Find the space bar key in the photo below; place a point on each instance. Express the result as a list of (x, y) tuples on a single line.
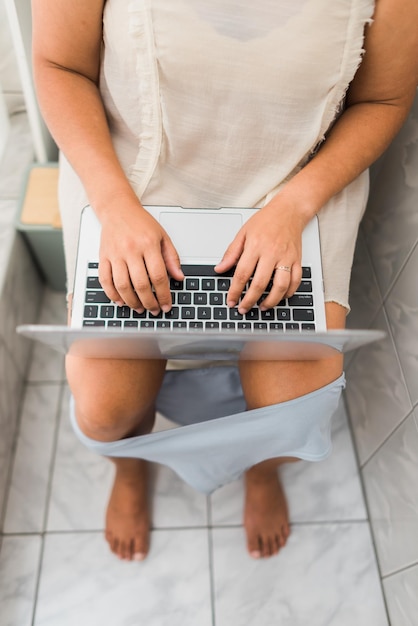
[(204, 270)]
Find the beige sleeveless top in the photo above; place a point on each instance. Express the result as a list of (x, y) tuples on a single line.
[(220, 102)]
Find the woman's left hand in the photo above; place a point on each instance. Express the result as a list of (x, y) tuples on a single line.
[(267, 247)]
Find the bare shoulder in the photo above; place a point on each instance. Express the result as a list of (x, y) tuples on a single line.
[(68, 34), (389, 70)]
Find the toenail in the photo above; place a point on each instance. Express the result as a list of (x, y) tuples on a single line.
[(138, 556), (255, 554)]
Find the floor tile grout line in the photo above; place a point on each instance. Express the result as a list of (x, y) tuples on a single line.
[(396, 350), (399, 571), (356, 455), (34, 533), (211, 576), (209, 511), (397, 427), (387, 293), (384, 298), (38, 383), (210, 558), (380, 302), (12, 460), (340, 522), (51, 470), (366, 505), (38, 579), (335, 522), (395, 279), (92, 531)]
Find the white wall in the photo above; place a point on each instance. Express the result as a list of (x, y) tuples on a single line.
[(4, 123), (19, 18), (382, 390), (9, 73)]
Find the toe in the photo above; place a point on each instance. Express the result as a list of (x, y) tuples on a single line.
[(267, 546), (276, 544), (285, 534), (129, 550), (114, 546), (140, 548), (123, 550), (254, 545), (264, 547)]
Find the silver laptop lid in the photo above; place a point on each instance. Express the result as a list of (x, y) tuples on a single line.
[(128, 344)]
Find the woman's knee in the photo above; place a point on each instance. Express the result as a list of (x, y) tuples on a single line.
[(112, 420), (112, 401)]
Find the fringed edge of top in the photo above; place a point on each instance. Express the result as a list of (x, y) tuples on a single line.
[(149, 144), (360, 17)]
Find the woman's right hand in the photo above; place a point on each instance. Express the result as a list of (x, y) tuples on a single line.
[(136, 256)]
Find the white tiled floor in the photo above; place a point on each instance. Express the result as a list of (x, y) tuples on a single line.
[(55, 567)]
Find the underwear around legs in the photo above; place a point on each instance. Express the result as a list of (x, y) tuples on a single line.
[(219, 439)]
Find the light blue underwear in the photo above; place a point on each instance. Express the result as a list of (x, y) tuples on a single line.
[(220, 440)]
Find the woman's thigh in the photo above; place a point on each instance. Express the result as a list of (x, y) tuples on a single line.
[(270, 382)]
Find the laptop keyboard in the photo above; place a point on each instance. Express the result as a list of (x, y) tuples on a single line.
[(199, 304)]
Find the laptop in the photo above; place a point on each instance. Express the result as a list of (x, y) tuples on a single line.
[(199, 325)]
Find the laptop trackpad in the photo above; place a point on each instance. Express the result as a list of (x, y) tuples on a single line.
[(200, 234)]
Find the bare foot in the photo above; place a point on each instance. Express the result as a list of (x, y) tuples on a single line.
[(127, 516), (266, 519)]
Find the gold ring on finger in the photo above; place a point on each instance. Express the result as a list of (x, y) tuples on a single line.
[(285, 268)]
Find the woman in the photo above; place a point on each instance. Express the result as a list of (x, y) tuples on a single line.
[(280, 106)]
